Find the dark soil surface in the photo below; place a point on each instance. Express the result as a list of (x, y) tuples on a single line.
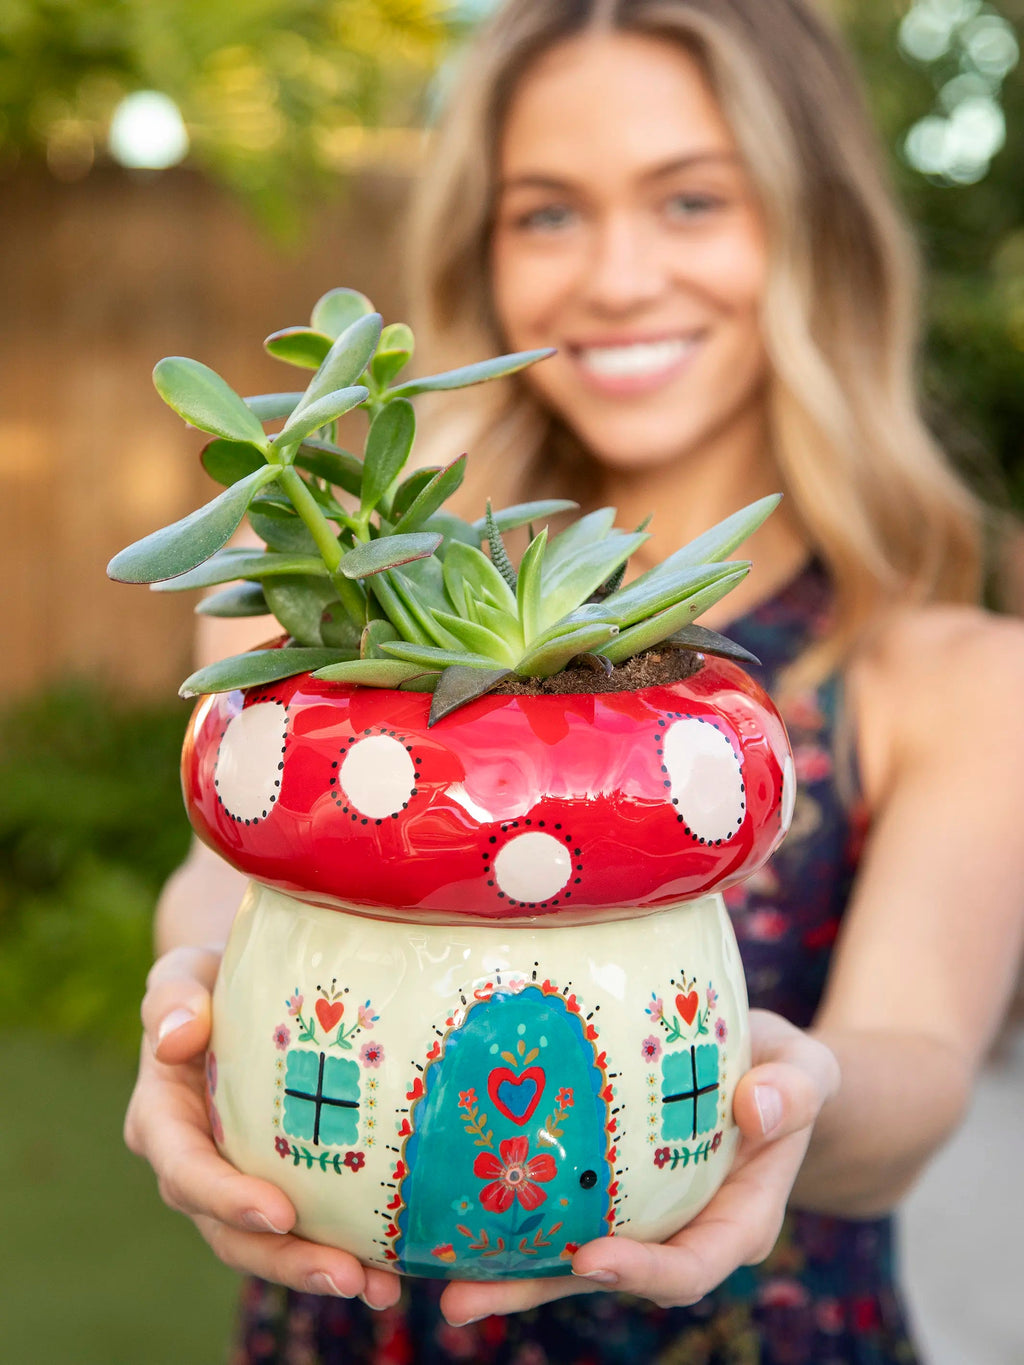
[(653, 669)]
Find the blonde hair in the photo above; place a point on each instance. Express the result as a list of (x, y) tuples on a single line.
[(875, 494)]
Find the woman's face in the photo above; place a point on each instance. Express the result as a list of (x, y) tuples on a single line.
[(628, 235)]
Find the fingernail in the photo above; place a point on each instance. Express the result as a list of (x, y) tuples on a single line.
[(370, 1305), (769, 1107), (175, 1020), (259, 1222), (468, 1322), (321, 1283), (599, 1276)]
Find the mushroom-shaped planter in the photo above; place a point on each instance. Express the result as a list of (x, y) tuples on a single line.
[(482, 1002)]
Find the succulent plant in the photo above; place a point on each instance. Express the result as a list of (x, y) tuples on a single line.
[(372, 579)]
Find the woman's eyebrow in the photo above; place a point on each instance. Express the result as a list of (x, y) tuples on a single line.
[(544, 181)]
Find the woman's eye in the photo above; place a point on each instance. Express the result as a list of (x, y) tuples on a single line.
[(547, 218), (689, 206)]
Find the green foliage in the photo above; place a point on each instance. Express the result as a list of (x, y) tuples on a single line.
[(91, 825), (391, 590)]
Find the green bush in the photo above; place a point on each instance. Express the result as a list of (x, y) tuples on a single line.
[(91, 823)]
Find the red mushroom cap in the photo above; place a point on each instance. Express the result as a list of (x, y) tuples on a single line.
[(580, 807)]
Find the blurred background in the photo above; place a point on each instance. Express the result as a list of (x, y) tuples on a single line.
[(186, 176)]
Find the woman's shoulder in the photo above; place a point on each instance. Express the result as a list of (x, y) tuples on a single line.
[(932, 681)]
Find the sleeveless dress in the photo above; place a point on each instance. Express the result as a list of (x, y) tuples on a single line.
[(826, 1294)]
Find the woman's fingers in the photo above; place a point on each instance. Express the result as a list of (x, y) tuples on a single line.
[(466, 1301), (176, 1006), (287, 1260)]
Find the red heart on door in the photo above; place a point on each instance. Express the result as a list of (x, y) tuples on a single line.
[(329, 1014), (687, 1005), (516, 1096)]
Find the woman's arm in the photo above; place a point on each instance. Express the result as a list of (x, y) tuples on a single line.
[(927, 958)]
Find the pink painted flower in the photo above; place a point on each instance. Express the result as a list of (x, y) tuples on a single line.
[(294, 1004), (282, 1037), (564, 1099), (366, 1017), (662, 1156), (355, 1161), (282, 1147), (512, 1176), (650, 1049), (721, 1032), (656, 1008), (371, 1054), (712, 996)]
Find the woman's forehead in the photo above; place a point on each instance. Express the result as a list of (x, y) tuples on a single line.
[(612, 100)]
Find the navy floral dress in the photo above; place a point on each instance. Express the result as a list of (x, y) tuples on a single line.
[(826, 1294)]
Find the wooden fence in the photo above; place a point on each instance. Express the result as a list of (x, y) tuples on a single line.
[(98, 280)]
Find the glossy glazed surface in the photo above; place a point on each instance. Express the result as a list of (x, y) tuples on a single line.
[(578, 807), (476, 1101)]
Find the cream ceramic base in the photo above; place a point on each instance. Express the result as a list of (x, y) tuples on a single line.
[(475, 1102)]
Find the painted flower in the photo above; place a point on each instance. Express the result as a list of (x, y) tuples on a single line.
[(721, 1032), (366, 1016), (355, 1161), (294, 1004), (463, 1204), (650, 1049), (662, 1156), (211, 1073), (712, 996), (371, 1054), (445, 1252), (467, 1098), (282, 1037), (656, 1009), (569, 1251), (564, 1099), (512, 1176), (282, 1147), (515, 984)]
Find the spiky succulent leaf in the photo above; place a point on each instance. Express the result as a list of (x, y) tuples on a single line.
[(719, 541), (412, 601), (499, 555), (259, 666), (429, 498), (431, 656), (582, 573), (477, 639), (521, 514), (710, 642), (528, 587), (469, 571), (371, 672), (178, 548), (373, 636), (551, 656), (652, 630), (584, 531), (390, 601), (458, 686)]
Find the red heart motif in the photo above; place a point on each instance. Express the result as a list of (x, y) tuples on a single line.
[(687, 1005), (329, 1014), (523, 1103), (395, 1203), (435, 1051), (406, 1129), (416, 1091)]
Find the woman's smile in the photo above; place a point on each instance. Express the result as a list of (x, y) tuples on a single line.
[(623, 367)]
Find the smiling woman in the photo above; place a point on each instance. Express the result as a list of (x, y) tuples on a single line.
[(683, 197)]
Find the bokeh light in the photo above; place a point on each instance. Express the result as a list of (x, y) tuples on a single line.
[(147, 132)]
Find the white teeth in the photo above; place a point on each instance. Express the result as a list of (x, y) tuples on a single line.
[(641, 358)]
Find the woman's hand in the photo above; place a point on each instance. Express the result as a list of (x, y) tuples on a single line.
[(775, 1106), (246, 1221)]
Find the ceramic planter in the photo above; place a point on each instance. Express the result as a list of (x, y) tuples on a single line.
[(482, 1002)]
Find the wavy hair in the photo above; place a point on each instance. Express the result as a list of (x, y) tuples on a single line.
[(877, 497)]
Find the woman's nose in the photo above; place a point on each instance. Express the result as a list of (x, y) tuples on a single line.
[(625, 271)]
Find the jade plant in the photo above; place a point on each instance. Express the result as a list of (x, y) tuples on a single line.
[(372, 579)]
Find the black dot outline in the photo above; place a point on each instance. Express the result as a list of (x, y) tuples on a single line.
[(659, 750), (255, 820), (338, 796), (532, 905)]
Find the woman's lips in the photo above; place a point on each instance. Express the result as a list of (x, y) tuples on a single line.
[(634, 367)]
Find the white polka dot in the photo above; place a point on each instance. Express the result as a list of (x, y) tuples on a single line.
[(706, 779), (533, 867), (248, 772), (378, 776), (788, 793)]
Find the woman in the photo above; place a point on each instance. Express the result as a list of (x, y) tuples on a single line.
[(681, 195)]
